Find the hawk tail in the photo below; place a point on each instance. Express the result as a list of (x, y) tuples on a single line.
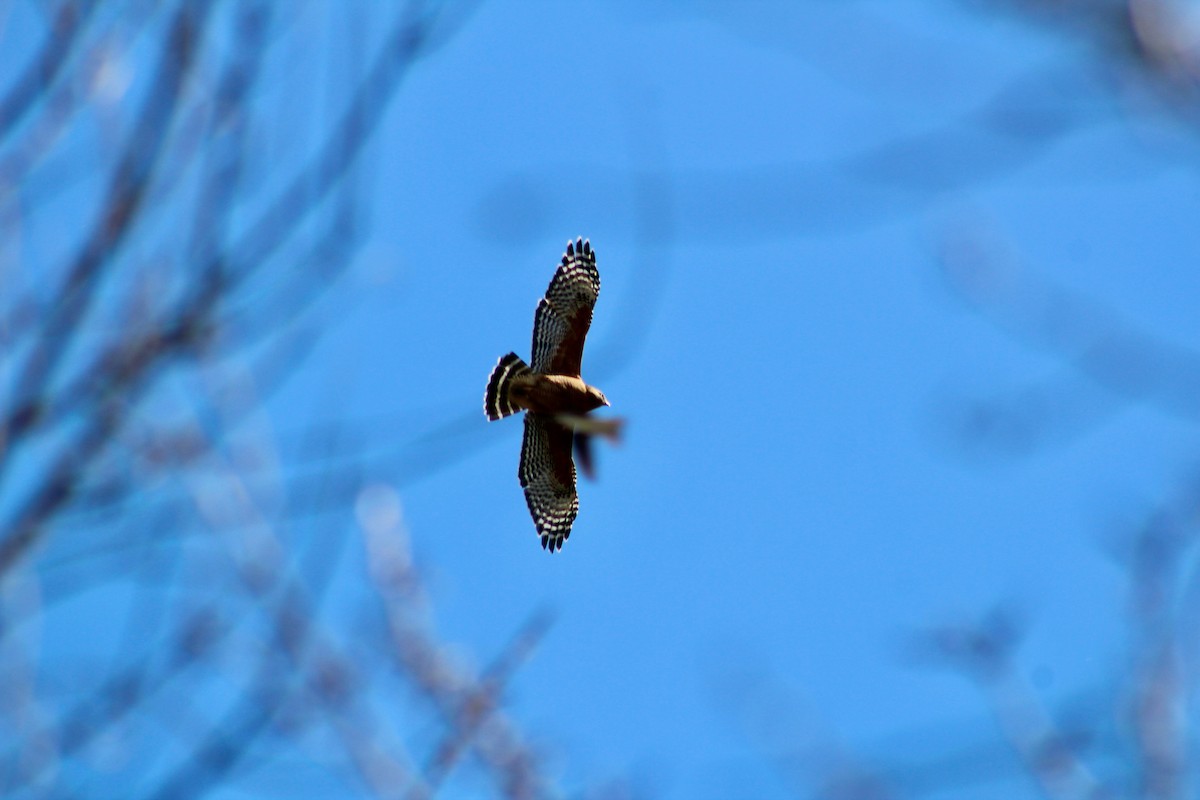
[(496, 402)]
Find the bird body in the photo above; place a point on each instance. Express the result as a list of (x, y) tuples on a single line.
[(549, 394), (554, 395)]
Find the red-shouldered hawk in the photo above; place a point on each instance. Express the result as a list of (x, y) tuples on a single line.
[(554, 395)]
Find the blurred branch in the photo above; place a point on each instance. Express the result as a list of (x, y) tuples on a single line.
[(1092, 340), (468, 706), (43, 71), (135, 430), (127, 188), (984, 652)]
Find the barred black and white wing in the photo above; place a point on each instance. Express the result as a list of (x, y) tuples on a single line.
[(547, 475), (563, 316)]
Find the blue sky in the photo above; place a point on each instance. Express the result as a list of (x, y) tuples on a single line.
[(791, 502), (771, 191)]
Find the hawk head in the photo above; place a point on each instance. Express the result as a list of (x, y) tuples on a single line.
[(597, 397)]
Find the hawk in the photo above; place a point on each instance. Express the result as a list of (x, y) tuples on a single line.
[(554, 396)]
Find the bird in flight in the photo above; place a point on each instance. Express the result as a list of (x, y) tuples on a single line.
[(554, 396)]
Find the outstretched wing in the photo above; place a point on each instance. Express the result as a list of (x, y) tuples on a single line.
[(547, 475), (563, 316)]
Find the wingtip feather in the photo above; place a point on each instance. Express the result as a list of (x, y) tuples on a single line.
[(579, 248)]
